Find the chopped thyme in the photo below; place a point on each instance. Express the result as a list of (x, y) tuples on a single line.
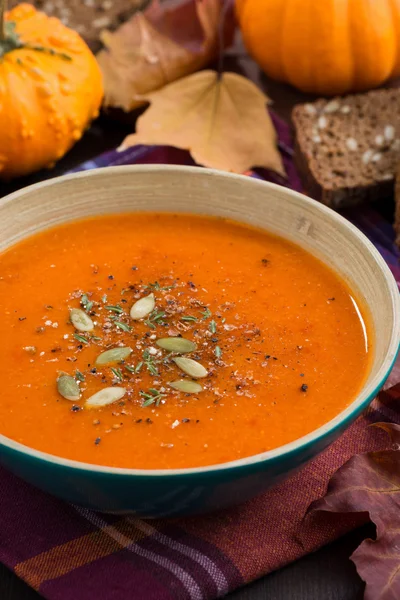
[(81, 338), (118, 373), (130, 368), (117, 309), (153, 396), (157, 287), (155, 317), (79, 376), (212, 326), (122, 326), (188, 318), (104, 298), (86, 303), (218, 352), (150, 363), (206, 313), (138, 366)]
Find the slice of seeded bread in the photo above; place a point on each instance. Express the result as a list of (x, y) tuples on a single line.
[(348, 149), (88, 17)]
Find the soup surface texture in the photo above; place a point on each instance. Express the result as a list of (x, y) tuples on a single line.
[(278, 342)]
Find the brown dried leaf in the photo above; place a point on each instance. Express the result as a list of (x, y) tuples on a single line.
[(159, 46), (222, 121), (371, 483)]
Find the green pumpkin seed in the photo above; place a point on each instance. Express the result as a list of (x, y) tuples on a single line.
[(105, 397), (80, 320), (115, 355), (176, 344), (187, 386), (143, 307), (68, 388), (190, 367)]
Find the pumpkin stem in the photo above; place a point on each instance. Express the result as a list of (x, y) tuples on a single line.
[(3, 10)]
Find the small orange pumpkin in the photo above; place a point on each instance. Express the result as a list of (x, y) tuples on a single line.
[(324, 46), (50, 90)]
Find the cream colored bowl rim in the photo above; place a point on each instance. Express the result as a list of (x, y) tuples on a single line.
[(361, 401)]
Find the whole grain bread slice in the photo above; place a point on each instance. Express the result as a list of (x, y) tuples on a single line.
[(348, 148)]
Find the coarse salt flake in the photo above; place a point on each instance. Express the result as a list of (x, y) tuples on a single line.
[(175, 424)]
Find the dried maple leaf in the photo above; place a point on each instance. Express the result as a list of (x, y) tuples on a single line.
[(159, 46), (371, 483), (221, 120)]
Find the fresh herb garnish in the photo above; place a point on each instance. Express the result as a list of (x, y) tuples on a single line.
[(95, 338), (218, 352), (104, 298), (155, 317), (122, 326), (157, 287), (117, 309), (212, 326), (81, 338), (206, 314), (188, 318), (117, 373), (86, 303), (153, 396), (138, 366), (150, 363), (79, 376), (130, 368)]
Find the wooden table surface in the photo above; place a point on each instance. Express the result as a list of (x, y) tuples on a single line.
[(325, 575)]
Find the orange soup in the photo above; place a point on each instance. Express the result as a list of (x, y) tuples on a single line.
[(167, 341)]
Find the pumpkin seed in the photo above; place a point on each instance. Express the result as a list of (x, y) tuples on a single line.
[(105, 397), (190, 367), (80, 320), (68, 388), (143, 307), (187, 386), (115, 355), (176, 344)]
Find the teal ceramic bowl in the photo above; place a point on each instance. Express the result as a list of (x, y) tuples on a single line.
[(170, 493)]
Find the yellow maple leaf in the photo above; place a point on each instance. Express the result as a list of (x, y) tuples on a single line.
[(222, 120)]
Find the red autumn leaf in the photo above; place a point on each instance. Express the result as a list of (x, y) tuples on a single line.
[(371, 483), (155, 47)]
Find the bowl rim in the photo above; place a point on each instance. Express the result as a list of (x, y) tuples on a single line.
[(362, 400)]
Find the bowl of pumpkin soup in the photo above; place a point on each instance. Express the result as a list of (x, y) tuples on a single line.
[(176, 340)]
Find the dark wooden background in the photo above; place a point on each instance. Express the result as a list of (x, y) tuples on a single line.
[(325, 575)]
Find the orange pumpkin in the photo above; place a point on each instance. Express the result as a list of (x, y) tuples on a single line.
[(50, 90), (324, 46)]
